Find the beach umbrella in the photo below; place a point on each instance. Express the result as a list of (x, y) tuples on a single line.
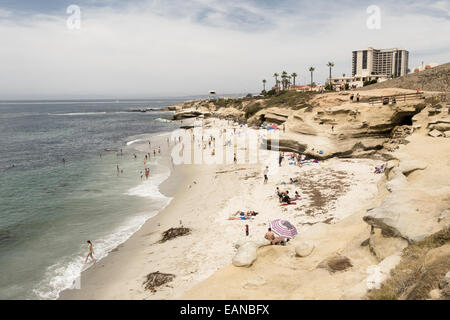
[(283, 228)]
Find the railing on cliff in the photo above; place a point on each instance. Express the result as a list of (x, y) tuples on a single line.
[(393, 99)]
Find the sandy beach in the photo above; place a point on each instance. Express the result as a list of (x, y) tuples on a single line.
[(204, 196)]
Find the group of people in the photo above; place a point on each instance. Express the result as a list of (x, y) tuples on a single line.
[(274, 239), (284, 196), (352, 96)]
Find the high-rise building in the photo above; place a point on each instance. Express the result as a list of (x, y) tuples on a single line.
[(381, 62)]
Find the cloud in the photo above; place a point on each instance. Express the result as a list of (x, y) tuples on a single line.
[(5, 13), (157, 48)]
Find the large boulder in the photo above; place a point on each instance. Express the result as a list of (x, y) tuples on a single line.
[(304, 248), (410, 214), (246, 253)]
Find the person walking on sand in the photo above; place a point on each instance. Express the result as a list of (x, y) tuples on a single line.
[(235, 159), (266, 172), (118, 170), (280, 159), (351, 97), (357, 97), (91, 252), (246, 230)]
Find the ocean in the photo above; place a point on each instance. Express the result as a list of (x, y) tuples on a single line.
[(49, 209)]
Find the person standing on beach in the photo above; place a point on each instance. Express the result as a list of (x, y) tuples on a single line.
[(351, 97), (118, 170), (280, 159), (357, 97), (91, 252), (246, 230), (235, 159), (266, 172)]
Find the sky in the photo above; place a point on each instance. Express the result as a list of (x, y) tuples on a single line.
[(145, 49)]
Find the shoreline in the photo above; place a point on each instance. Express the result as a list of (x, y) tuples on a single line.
[(204, 206)]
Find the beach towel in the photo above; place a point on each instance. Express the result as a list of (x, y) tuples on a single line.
[(287, 204)]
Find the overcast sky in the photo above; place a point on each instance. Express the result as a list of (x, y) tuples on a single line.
[(138, 48)]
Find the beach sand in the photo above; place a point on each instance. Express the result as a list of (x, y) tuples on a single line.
[(335, 194)]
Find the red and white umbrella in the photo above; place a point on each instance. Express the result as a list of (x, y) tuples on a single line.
[(283, 228)]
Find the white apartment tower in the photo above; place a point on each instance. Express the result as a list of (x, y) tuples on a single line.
[(382, 62)]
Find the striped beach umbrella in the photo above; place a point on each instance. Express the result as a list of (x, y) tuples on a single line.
[(283, 228)]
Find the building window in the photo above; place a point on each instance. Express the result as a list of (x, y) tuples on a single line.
[(364, 59), (354, 62)]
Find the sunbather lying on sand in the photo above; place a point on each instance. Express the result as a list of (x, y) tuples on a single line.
[(291, 181), (241, 215), (380, 169)]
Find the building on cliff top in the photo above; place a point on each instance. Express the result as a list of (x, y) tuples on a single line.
[(374, 64)]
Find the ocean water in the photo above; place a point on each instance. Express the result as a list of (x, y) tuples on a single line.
[(48, 209)]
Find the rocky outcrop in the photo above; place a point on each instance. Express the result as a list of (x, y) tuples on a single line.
[(408, 211), (382, 246), (342, 131), (190, 113)]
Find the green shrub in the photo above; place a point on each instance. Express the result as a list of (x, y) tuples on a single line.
[(251, 109)]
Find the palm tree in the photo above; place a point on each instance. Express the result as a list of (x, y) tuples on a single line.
[(275, 75), (264, 85), (330, 65), (294, 75), (311, 69), (283, 81)]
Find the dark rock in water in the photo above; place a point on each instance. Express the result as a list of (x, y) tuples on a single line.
[(144, 110), (173, 233), (5, 235), (157, 279)]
